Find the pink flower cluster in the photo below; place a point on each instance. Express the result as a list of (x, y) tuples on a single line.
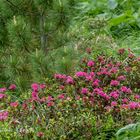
[(81, 74), (63, 77), (60, 76), (2, 95), (102, 79), (90, 63), (134, 105), (125, 89), (12, 87), (114, 83), (102, 84), (35, 91), (100, 92), (36, 87), (14, 104), (131, 105), (115, 94), (121, 78), (3, 115), (84, 90), (96, 83), (69, 80), (2, 90)]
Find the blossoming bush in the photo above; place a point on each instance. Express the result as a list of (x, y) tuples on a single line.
[(91, 104)]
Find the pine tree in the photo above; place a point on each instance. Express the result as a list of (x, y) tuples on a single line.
[(32, 32)]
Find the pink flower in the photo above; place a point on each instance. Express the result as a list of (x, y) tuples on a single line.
[(63, 76), (104, 95), (3, 115), (96, 83), (107, 97), (91, 99), (137, 96), (101, 59), (114, 83), (90, 63), (121, 78), (14, 104), (128, 69), (125, 100), (81, 74), (24, 105), (113, 103), (77, 97), (57, 76), (99, 73), (51, 103), (133, 105), (69, 80), (92, 74), (129, 90), (42, 86), (60, 76), (121, 51), (43, 99), (12, 87), (40, 134), (61, 96), (97, 90), (109, 65), (35, 95), (35, 87), (124, 106), (114, 94), (61, 87), (88, 50), (114, 70), (131, 55), (68, 98), (2, 89), (104, 71), (125, 89), (84, 99), (50, 98), (108, 108), (118, 64), (89, 78), (2, 95), (84, 91)]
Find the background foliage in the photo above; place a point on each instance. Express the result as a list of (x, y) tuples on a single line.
[(39, 38)]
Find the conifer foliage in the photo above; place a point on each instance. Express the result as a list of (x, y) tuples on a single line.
[(32, 31)]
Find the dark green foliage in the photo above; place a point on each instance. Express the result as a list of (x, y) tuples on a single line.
[(30, 37)]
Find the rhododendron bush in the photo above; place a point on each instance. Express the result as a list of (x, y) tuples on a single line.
[(93, 103)]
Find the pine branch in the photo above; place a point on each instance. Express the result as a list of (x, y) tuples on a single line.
[(19, 9), (12, 4), (25, 47)]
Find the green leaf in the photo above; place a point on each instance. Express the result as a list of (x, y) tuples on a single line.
[(126, 17), (131, 131)]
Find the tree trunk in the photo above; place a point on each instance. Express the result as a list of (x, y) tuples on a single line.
[(43, 37)]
